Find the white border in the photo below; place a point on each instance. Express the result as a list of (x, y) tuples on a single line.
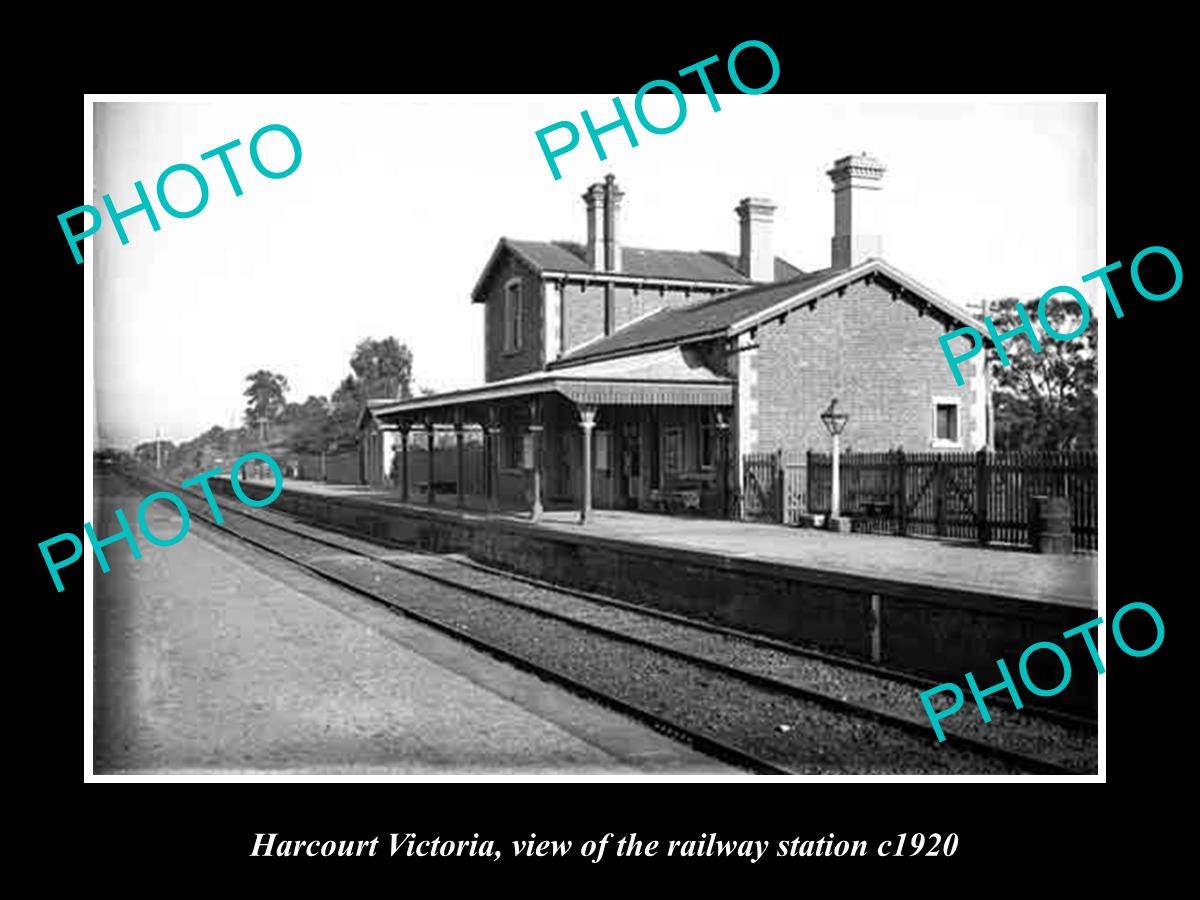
[(89, 395)]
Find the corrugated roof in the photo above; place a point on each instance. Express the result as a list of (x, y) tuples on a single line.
[(666, 370)]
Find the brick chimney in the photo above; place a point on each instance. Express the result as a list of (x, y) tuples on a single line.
[(593, 199), (757, 261), (857, 181), (603, 202)]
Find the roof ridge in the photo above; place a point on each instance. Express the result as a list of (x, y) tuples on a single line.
[(739, 294), (749, 306), (712, 267)]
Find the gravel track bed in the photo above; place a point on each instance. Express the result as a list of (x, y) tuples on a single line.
[(1009, 730), (816, 740), (1022, 732)]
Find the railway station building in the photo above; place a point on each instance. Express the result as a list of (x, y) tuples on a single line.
[(627, 378)]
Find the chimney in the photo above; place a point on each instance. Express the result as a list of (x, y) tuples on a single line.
[(593, 198), (856, 185), (603, 202), (757, 261), (612, 206)]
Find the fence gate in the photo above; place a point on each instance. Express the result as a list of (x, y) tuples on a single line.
[(983, 497), (773, 487), (762, 483)]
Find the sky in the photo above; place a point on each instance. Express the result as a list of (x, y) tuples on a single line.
[(398, 202)]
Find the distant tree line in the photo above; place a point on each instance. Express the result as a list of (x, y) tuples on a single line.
[(379, 369)]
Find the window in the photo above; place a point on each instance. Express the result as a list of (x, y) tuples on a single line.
[(512, 316), (945, 423)]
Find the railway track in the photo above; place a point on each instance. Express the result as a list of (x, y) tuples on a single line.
[(750, 701)]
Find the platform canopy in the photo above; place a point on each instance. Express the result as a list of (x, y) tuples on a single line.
[(669, 377)]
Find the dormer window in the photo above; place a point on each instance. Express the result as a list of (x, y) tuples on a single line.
[(512, 316)]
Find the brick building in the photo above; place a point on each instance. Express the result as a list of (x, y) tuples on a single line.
[(659, 371)]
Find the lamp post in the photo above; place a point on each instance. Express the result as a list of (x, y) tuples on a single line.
[(835, 424)]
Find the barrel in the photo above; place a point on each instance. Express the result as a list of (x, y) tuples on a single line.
[(1050, 525)]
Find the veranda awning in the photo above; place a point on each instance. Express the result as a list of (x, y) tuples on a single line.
[(670, 377)]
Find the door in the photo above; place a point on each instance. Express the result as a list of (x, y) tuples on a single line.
[(564, 482), (631, 464), (654, 444)]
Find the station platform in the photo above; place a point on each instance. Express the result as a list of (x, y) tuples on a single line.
[(211, 656), (1068, 580), (922, 606)]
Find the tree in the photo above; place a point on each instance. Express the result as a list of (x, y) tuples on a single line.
[(204, 451), (150, 452), (265, 393), (314, 409), (382, 369), (1046, 400), (347, 402), (309, 425)]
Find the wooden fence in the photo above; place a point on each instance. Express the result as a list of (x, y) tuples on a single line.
[(343, 466), (983, 497), (445, 470)]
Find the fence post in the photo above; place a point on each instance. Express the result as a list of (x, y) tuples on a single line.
[(901, 495), (403, 462), (809, 502), (939, 496), (778, 485), (723, 467), (983, 484)]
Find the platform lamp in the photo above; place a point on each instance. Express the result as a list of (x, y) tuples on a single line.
[(835, 424)]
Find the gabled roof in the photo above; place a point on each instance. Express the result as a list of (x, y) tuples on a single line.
[(731, 314), (367, 414), (675, 265)]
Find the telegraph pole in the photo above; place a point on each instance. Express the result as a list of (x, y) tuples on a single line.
[(158, 449)]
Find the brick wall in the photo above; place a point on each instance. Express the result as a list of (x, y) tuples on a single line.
[(497, 363), (582, 315), (583, 310), (877, 356)]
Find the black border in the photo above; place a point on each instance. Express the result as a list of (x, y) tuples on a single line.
[(1148, 431)]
